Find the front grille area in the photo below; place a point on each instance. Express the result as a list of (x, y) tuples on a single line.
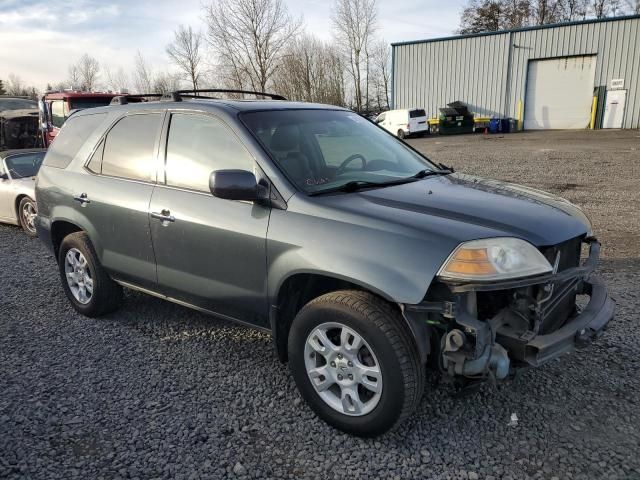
[(569, 253), (569, 258)]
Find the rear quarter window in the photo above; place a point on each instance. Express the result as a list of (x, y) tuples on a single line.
[(70, 139)]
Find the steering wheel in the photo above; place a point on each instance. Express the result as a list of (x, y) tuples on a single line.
[(343, 166)]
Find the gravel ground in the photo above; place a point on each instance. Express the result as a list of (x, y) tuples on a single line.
[(158, 391)]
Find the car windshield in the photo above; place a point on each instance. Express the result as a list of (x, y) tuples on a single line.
[(16, 104), (94, 102), (322, 150), (24, 165)]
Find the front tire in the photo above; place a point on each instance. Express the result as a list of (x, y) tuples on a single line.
[(355, 362), (27, 210), (86, 283)]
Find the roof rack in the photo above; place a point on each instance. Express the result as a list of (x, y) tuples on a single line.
[(194, 93), (125, 98)]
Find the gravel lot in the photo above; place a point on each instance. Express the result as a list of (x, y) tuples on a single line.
[(158, 391)]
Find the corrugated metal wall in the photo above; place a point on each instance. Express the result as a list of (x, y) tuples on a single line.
[(489, 72)]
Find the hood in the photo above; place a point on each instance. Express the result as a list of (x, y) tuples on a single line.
[(464, 207)]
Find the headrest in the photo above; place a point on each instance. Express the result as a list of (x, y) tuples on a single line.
[(286, 138)]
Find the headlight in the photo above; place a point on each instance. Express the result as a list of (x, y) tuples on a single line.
[(494, 259)]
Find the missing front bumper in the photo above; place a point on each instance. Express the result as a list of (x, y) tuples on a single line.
[(514, 337)]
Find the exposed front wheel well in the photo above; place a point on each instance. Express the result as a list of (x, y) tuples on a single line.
[(59, 230), (295, 293), (16, 206)]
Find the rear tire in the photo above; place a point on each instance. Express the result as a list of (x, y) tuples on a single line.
[(386, 377), (84, 280), (401, 134), (27, 210)]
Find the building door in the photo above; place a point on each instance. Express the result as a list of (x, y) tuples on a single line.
[(614, 109), (559, 93)]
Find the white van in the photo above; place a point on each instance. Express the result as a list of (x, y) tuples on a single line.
[(405, 122)]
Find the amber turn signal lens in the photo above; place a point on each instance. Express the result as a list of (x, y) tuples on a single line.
[(470, 262)]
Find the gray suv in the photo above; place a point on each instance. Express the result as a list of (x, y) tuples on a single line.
[(366, 261)]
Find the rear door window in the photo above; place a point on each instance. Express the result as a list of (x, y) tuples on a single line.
[(71, 138), (196, 146), (130, 146), (417, 113)]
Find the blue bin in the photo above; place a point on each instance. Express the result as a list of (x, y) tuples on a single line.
[(494, 125)]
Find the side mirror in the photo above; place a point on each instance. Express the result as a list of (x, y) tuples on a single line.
[(236, 185)]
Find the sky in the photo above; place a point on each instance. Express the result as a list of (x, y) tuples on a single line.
[(39, 39)]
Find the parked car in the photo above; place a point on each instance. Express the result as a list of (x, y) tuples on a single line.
[(18, 169), (405, 122), (363, 258), (55, 108), (18, 123)]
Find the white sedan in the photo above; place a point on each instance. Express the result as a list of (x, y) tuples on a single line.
[(18, 170)]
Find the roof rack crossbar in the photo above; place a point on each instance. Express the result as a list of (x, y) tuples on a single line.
[(273, 96)]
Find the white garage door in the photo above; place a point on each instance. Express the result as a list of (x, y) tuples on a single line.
[(559, 93)]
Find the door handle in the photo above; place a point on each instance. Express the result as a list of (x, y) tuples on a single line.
[(163, 216), (82, 198)]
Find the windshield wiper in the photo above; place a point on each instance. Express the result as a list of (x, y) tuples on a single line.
[(427, 172), (354, 185)]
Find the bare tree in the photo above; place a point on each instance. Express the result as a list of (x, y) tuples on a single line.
[(186, 54), (600, 8), (482, 16), (142, 74), (164, 82), (117, 81), (382, 73), (249, 37), (15, 85), (73, 76), (633, 6), (355, 24), (312, 71), (545, 11), (86, 71), (574, 10)]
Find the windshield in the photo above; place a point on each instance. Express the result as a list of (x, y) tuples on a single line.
[(89, 102), (324, 149), (16, 104), (24, 165)]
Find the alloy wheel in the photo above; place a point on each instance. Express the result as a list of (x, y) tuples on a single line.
[(343, 369), (29, 216), (78, 276)]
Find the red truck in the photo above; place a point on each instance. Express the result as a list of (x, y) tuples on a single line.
[(55, 107)]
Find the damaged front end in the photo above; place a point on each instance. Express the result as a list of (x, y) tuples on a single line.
[(490, 329)]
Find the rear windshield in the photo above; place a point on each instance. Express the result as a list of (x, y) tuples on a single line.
[(16, 104), (71, 137), (417, 113)]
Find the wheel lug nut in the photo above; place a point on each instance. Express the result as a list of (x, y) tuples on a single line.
[(350, 364), (333, 364), (350, 377), (340, 377)]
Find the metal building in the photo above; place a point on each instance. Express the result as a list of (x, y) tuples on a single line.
[(572, 75)]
